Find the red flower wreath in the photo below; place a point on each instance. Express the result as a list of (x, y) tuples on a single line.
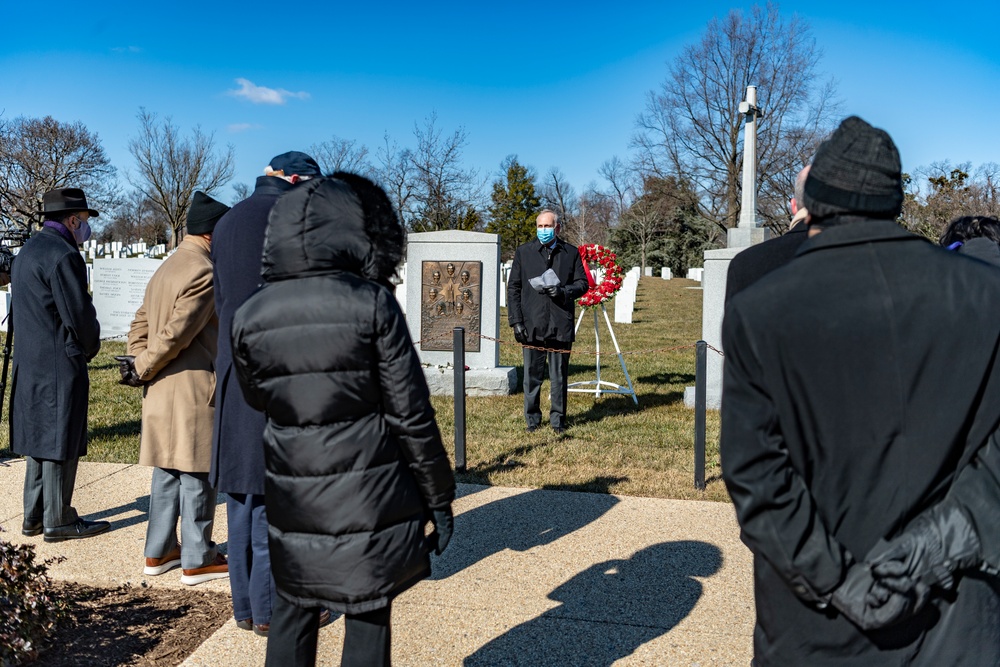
[(598, 293)]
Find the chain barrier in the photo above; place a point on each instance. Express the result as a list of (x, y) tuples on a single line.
[(577, 351)]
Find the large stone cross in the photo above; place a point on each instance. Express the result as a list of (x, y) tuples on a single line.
[(748, 232)]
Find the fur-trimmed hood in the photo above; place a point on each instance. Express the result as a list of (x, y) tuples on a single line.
[(332, 224)]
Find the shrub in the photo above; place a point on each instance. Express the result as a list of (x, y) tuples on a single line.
[(28, 608)]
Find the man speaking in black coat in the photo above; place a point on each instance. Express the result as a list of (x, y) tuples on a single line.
[(543, 316), (861, 380)]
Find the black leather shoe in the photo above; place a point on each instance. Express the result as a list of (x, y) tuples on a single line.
[(531, 428), (559, 430), (31, 528), (74, 531)]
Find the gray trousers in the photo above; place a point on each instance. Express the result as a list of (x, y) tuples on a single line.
[(48, 491), (188, 496), (534, 372)]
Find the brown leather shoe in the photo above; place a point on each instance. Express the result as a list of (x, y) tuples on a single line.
[(217, 569), (157, 566)]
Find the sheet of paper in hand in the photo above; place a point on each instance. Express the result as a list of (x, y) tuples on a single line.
[(547, 279)]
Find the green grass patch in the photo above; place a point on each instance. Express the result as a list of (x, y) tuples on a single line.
[(612, 446)]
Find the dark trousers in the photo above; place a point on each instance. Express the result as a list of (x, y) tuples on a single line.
[(292, 639), (250, 577), (534, 372), (48, 491)]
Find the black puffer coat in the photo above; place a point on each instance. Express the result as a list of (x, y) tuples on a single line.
[(353, 453)]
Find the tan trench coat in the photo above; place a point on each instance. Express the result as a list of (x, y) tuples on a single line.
[(174, 339)]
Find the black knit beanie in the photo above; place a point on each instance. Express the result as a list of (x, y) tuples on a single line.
[(204, 213), (856, 171)]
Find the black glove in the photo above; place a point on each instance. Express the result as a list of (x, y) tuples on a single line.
[(556, 292), (940, 541), (520, 334), (444, 526), (868, 604), (126, 366)]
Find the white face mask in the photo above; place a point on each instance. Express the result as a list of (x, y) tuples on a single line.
[(82, 233)]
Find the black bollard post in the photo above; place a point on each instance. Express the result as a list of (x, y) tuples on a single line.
[(459, 347), (700, 372)]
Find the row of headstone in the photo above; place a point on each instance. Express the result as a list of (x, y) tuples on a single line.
[(695, 274), (117, 250), (625, 299)]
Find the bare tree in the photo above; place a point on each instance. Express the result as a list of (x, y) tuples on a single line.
[(136, 218), (240, 192), (559, 195), (394, 170), (643, 224), (936, 195), (594, 217), (41, 154), (171, 167), (444, 191), (623, 183), (691, 125), (336, 154)]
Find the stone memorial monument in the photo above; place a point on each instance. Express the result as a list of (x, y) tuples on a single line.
[(716, 267), (453, 279), (119, 286)]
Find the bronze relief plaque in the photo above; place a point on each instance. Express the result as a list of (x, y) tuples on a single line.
[(450, 296)]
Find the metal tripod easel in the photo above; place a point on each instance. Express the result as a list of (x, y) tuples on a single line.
[(598, 384)]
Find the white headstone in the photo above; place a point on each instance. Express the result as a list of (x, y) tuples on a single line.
[(401, 296), (4, 309), (623, 308), (665, 273), (648, 272)]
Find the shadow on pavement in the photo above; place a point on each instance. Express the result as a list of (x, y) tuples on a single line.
[(521, 522), (609, 610)]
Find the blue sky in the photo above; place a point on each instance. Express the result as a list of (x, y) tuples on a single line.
[(559, 83)]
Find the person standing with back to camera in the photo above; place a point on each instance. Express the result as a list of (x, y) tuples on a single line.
[(237, 468), (355, 464)]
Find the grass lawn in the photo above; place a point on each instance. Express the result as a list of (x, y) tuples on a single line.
[(612, 446)]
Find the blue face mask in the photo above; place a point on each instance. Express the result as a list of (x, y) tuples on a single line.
[(545, 234), (82, 233)]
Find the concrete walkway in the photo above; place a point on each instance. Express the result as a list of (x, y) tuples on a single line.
[(532, 577)]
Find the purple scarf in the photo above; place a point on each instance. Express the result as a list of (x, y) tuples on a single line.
[(61, 228)]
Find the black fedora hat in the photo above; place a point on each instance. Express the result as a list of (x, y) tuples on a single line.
[(62, 200)]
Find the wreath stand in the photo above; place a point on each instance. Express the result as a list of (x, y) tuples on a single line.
[(598, 384)]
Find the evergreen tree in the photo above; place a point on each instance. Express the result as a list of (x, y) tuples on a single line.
[(514, 206)]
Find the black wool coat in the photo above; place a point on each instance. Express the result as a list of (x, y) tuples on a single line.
[(354, 456), (237, 241), (545, 318), (859, 379), (55, 334), (759, 260)]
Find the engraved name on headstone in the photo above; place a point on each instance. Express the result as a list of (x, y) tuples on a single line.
[(119, 286)]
